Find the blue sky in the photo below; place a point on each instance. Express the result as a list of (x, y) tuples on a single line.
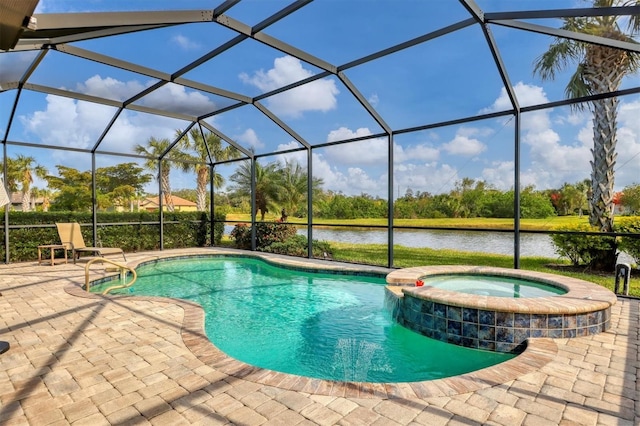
[(444, 79)]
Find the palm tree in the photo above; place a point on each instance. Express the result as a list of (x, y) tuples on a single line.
[(20, 172), (45, 194), (583, 186), (266, 189), (195, 143), (600, 69), (293, 186), (154, 149)]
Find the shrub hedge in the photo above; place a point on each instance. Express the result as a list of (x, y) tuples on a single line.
[(595, 251), (139, 231), (278, 238), (629, 244)]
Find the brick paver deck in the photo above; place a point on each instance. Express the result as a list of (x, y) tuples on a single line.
[(90, 360)]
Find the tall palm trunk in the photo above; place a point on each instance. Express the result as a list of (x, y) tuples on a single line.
[(604, 69), (26, 200), (166, 190), (201, 188), (602, 165)]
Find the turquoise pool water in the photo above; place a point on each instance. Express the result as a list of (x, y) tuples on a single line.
[(495, 286), (319, 325)]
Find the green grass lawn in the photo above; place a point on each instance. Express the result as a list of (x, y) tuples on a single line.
[(472, 223)]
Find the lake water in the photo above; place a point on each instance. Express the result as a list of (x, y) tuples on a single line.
[(485, 242)]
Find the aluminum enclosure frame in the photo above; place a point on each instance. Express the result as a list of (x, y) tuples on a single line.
[(55, 32)]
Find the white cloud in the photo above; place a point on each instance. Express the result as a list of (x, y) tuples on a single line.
[(360, 182), (552, 162), (432, 177), (319, 95), (575, 118), (463, 145), (173, 97), (373, 100), (290, 145), (500, 175), (169, 97), (361, 167), (344, 133), (66, 122), (475, 131), (13, 65), (553, 153), (628, 147), (420, 152), (299, 157), (526, 95), (285, 70), (350, 180), (549, 160), (333, 179), (370, 151), (375, 151), (184, 42), (249, 137), (110, 88)]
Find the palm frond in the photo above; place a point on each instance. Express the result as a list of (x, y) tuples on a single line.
[(577, 87), (634, 20), (560, 55)]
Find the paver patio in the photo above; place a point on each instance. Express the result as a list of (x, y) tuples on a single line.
[(79, 359)]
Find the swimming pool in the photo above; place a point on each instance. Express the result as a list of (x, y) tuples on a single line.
[(320, 325)]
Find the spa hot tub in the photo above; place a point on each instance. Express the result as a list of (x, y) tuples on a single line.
[(490, 318)]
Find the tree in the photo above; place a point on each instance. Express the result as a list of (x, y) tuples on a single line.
[(600, 69), (115, 186), (20, 172), (122, 183), (197, 150), (470, 195), (266, 185), (293, 186), (571, 199), (154, 149), (73, 189), (44, 194), (584, 188), (631, 198)]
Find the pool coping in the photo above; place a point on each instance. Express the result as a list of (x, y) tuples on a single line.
[(537, 353)]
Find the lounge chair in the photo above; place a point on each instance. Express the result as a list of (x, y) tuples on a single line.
[(71, 238)]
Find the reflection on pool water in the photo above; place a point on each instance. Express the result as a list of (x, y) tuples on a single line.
[(489, 285), (327, 326)]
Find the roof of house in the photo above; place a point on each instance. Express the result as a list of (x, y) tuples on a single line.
[(177, 201), (16, 198)]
